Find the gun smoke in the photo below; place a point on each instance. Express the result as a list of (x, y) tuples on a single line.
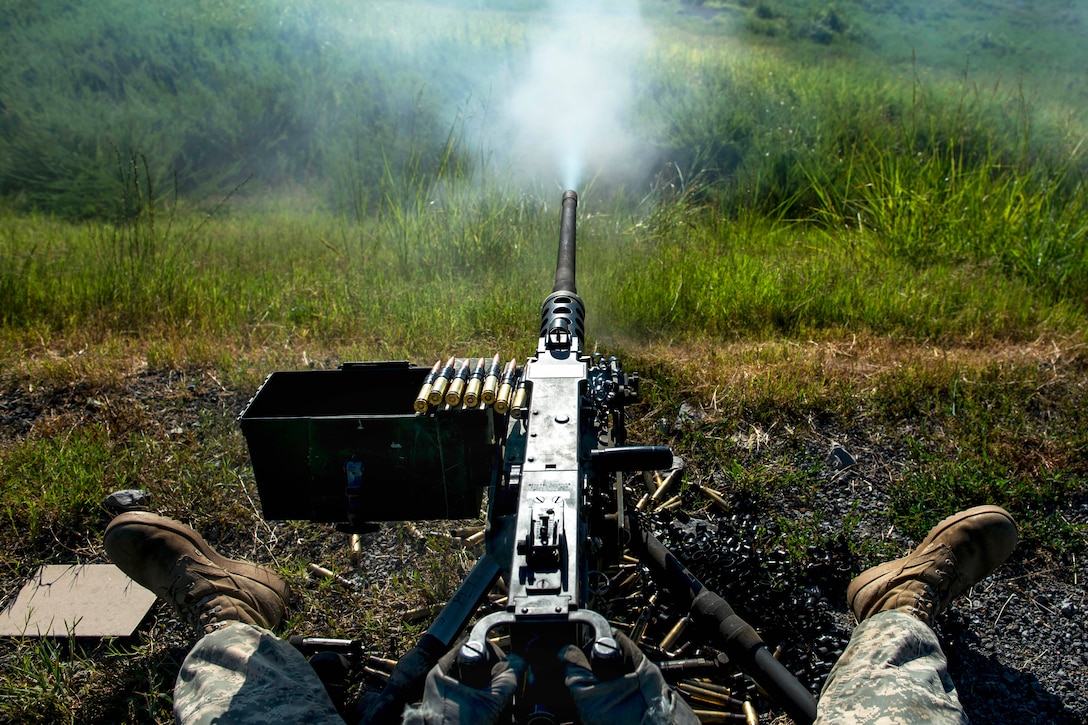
[(567, 115), (555, 105)]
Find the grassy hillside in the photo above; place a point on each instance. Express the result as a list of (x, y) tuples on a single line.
[(790, 183), (344, 100)]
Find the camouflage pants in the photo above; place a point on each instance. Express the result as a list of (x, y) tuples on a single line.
[(893, 672), (245, 674)]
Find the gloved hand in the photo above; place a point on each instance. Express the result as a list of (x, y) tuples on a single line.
[(449, 701), (638, 695)]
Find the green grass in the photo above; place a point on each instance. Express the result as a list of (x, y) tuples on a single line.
[(56, 484), (992, 434)]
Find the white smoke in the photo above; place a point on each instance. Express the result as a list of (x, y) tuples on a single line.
[(568, 114)]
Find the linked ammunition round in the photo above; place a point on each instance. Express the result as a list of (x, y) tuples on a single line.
[(491, 382), (506, 389), (519, 408), (457, 386), (441, 383), (472, 394), (475, 383), (453, 393), (422, 403)]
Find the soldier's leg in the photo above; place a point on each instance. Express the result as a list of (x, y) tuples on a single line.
[(238, 671), (242, 673), (893, 671)]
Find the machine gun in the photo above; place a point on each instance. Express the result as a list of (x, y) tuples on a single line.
[(547, 440)]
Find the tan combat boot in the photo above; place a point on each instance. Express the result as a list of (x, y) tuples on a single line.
[(208, 590), (960, 551)]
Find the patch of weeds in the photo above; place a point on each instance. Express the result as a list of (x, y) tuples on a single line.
[(138, 681), (940, 487), (915, 391), (445, 568), (57, 483), (40, 683), (747, 483), (45, 680), (802, 537), (866, 549)]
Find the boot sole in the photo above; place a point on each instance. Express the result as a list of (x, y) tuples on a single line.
[(253, 572), (869, 576)]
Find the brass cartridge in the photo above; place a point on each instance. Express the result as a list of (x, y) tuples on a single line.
[(696, 691), (506, 388), (673, 503), (715, 497), (669, 640), (714, 717), (643, 620), (457, 386), (519, 408), (672, 478), (491, 382), (472, 390), (421, 400), (441, 383)]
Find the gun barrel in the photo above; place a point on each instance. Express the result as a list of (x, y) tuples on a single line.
[(562, 316), (564, 264)]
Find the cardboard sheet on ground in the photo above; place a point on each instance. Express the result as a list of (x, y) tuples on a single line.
[(87, 600)]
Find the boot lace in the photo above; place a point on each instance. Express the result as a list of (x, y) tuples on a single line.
[(937, 592)]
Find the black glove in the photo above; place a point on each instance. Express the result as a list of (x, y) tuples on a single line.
[(449, 701), (638, 695)]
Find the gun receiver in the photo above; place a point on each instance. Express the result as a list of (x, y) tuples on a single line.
[(555, 498)]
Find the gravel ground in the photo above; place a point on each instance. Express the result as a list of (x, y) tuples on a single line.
[(1016, 642)]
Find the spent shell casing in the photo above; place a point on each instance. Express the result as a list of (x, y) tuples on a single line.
[(643, 621), (425, 390), (714, 717), (472, 390), (356, 548), (519, 407), (506, 388), (675, 502), (441, 383), (706, 695), (672, 478), (669, 640), (457, 386), (715, 497), (491, 381)]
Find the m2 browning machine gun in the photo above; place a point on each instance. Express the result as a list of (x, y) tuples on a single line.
[(547, 440)]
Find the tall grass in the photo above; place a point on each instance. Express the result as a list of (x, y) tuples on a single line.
[(792, 198), (444, 268), (212, 95), (333, 96)]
